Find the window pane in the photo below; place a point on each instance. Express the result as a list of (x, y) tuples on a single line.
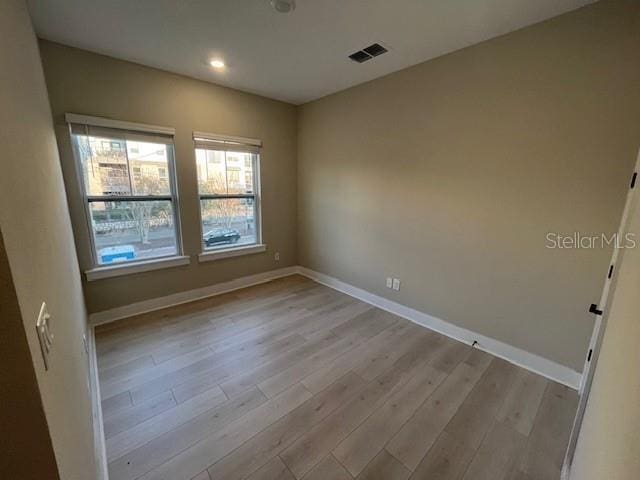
[(127, 231), (104, 165), (149, 166), (239, 172), (211, 171), (228, 221), (221, 172), (106, 162)]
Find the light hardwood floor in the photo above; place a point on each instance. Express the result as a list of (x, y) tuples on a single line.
[(293, 380)]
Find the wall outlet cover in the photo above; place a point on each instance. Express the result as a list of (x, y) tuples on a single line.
[(396, 284), (389, 282)]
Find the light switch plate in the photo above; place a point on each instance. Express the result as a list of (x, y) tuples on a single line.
[(45, 337)]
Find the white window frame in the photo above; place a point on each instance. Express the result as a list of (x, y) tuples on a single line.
[(98, 270), (217, 142)]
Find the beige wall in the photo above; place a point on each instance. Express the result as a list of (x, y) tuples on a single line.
[(22, 419), (86, 83), (448, 175), (609, 442), (39, 245)]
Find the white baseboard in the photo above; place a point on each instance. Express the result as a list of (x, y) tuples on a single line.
[(522, 358), (145, 306), (100, 446), (535, 363)]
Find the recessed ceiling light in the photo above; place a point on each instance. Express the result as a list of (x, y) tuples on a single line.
[(283, 6), (217, 63)]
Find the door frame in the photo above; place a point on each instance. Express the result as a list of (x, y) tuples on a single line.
[(600, 323)]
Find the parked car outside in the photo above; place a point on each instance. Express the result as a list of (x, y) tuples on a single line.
[(221, 236)]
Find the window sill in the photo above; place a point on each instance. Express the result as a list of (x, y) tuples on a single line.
[(137, 267), (231, 252)]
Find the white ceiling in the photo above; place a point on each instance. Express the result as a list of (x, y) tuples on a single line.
[(294, 57)]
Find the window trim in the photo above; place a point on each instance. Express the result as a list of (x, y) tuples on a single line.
[(129, 268), (227, 139), (240, 144), (118, 124), (210, 255), (98, 270)]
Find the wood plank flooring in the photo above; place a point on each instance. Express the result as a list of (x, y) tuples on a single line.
[(292, 380)]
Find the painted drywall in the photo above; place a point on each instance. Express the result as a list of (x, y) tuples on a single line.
[(449, 175), (21, 414), (609, 441), (91, 84), (39, 245)]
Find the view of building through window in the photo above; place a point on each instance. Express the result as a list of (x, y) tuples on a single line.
[(131, 200), (227, 197), (131, 205)]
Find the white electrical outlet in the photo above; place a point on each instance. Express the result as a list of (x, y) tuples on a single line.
[(45, 337), (389, 282), (277, 256), (396, 284)]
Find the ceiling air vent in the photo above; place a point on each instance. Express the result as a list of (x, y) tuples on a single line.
[(375, 50), (360, 56), (368, 53)]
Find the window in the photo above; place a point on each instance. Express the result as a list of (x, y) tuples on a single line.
[(128, 184), (228, 186)]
